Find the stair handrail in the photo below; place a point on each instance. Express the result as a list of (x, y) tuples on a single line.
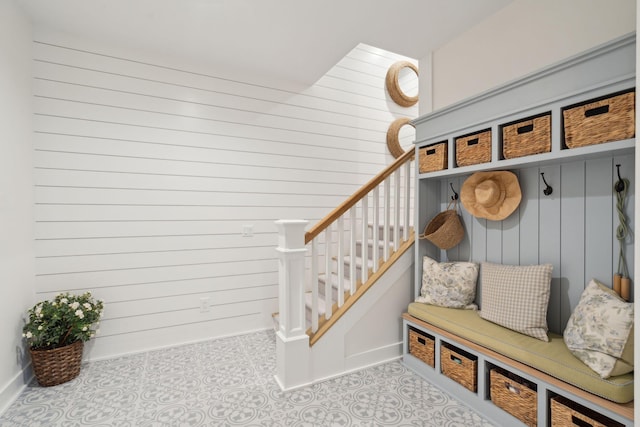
[(307, 309), (357, 196)]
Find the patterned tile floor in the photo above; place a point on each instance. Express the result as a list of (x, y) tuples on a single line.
[(229, 382)]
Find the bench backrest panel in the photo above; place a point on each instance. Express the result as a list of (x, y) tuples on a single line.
[(573, 228)]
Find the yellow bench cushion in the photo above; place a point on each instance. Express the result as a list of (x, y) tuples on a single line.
[(553, 357)]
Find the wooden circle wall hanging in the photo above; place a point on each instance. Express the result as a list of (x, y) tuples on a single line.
[(393, 139), (393, 86)]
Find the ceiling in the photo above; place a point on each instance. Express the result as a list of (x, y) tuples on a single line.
[(290, 40)]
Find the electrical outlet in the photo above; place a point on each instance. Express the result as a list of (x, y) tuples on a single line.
[(204, 304), (247, 230)]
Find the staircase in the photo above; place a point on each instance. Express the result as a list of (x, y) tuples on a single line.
[(334, 289), (327, 269)]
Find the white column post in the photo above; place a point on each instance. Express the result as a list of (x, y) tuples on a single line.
[(292, 341)]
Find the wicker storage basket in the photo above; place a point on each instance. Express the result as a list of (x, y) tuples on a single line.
[(565, 412), (606, 120), (460, 366), (57, 366), (515, 396), (473, 149), (433, 157), (422, 346), (527, 137)]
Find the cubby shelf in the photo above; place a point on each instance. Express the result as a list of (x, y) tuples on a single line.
[(546, 386), (570, 228), (615, 148)]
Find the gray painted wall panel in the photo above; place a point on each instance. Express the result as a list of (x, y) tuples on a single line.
[(549, 235), (572, 229), (529, 216), (511, 239), (494, 241), (572, 190), (598, 220)]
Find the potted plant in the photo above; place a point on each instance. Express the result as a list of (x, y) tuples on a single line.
[(55, 333)]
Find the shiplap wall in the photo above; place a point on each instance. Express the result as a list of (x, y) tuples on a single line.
[(147, 173), (574, 228)]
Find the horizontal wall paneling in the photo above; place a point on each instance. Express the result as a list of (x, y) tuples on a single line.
[(148, 172)]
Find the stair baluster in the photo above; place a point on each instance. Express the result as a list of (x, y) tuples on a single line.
[(375, 242), (340, 259), (387, 218)]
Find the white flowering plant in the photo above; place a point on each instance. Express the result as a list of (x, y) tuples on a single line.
[(64, 320)]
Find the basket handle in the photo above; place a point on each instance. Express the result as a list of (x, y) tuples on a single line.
[(580, 423), (511, 388), (473, 141), (453, 202), (456, 359), (431, 151), (596, 111), (525, 129), (422, 341)]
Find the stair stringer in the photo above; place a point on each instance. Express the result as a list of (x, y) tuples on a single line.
[(370, 332)]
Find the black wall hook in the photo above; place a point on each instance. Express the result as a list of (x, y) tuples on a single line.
[(455, 195), (548, 189), (619, 187)]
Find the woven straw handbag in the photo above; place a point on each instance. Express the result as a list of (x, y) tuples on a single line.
[(445, 229)]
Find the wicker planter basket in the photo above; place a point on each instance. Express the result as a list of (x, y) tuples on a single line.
[(515, 396), (57, 366)]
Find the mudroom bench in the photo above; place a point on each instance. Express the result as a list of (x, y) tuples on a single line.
[(509, 377), (553, 142)]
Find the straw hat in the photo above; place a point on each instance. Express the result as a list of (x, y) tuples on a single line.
[(493, 195)]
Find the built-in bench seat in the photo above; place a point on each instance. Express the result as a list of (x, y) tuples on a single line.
[(552, 358)]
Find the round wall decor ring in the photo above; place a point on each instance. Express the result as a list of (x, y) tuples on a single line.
[(393, 87), (393, 141)]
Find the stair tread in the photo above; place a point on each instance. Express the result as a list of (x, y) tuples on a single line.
[(308, 299), (334, 280), (380, 243), (358, 261)]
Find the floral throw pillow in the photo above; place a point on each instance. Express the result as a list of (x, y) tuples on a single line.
[(448, 284), (600, 331), (516, 297)]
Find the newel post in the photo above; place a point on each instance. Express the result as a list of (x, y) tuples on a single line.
[(292, 341)]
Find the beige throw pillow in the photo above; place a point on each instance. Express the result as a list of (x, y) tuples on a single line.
[(516, 297), (600, 331), (448, 284)]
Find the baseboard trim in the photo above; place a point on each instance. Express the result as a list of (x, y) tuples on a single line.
[(14, 388), (356, 369), (172, 345), (372, 356)]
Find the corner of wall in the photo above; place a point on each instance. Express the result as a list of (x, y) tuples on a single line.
[(16, 196)]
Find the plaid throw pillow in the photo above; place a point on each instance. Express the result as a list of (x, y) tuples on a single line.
[(516, 297)]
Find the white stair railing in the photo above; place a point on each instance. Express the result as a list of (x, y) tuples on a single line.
[(347, 248)]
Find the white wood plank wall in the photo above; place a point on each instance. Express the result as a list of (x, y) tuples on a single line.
[(147, 172)]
